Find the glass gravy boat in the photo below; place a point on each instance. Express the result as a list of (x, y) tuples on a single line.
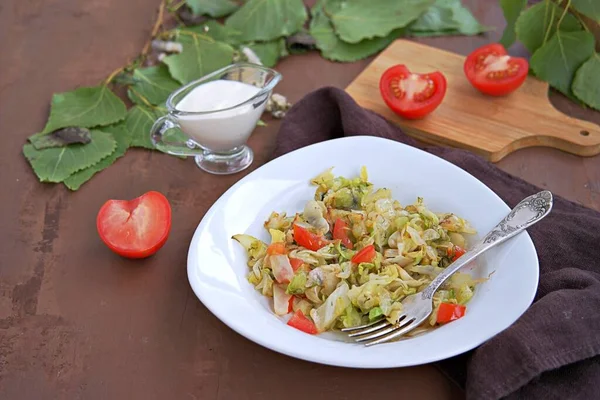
[(217, 131)]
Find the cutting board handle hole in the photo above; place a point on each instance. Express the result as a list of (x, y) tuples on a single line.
[(584, 133)]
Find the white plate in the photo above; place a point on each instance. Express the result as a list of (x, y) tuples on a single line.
[(217, 265)]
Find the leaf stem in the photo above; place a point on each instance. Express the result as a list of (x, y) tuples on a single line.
[(581, 21), (549, 28), (157, 24), (173, 8), (113, 74), (196, 35), (141, 97), (563, 14)]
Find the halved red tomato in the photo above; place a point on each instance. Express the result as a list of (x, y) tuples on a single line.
[(491, 71), (135, 228), (412, 95)]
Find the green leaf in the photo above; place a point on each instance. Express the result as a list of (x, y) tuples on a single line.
[(264, 20), (557, 60), (217, 31), (446, 17), (122, 137), (467, 23), (61, 137), (333, 48), (449, 32), (58, 163), (511, 9), (586, 85), (136, 98), (537, 24), (154, 84), (214, 8), (201, 55), (366, 19), (589, 8), (269, 52), (86, 108), (139, 122), (438, 17)]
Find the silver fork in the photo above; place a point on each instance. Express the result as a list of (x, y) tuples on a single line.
[(417, 307)]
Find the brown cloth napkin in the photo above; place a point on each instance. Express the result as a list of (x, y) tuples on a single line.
[(553, 350)]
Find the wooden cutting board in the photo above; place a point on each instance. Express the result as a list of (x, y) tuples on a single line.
[(490, 126)]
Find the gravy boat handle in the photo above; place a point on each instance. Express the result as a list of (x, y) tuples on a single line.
[(159, 138)]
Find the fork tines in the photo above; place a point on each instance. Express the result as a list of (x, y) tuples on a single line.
[(380, 331)]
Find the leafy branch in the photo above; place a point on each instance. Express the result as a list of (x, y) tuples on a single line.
[(560, 37), (90, 128)]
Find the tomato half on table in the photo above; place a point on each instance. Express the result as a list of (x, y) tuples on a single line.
[(135, 228), (411, 95), (493, 72)]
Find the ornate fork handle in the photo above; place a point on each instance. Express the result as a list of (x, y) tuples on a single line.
[(529, 211)]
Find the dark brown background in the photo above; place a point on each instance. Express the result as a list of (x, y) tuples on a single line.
[(76, 321)]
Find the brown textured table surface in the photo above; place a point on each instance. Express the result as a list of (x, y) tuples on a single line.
[(76, 321)]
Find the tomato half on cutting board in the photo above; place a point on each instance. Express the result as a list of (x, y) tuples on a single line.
[(135, 228), (411, 95), (491, 71)]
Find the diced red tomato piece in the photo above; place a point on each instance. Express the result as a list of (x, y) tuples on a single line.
[(458, 252), (306, 238), (365, 255), (449, 312), (299, 321), (291, 304), (340, 232), (276, 248), (296, 263)]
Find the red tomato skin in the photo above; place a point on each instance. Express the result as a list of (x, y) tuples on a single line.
[(458, 252), (296, 263), (131, 205), (307, 239), (501, 87), (300, 322), (448, 312), (366, 254), (340, 232), (411, 110)]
